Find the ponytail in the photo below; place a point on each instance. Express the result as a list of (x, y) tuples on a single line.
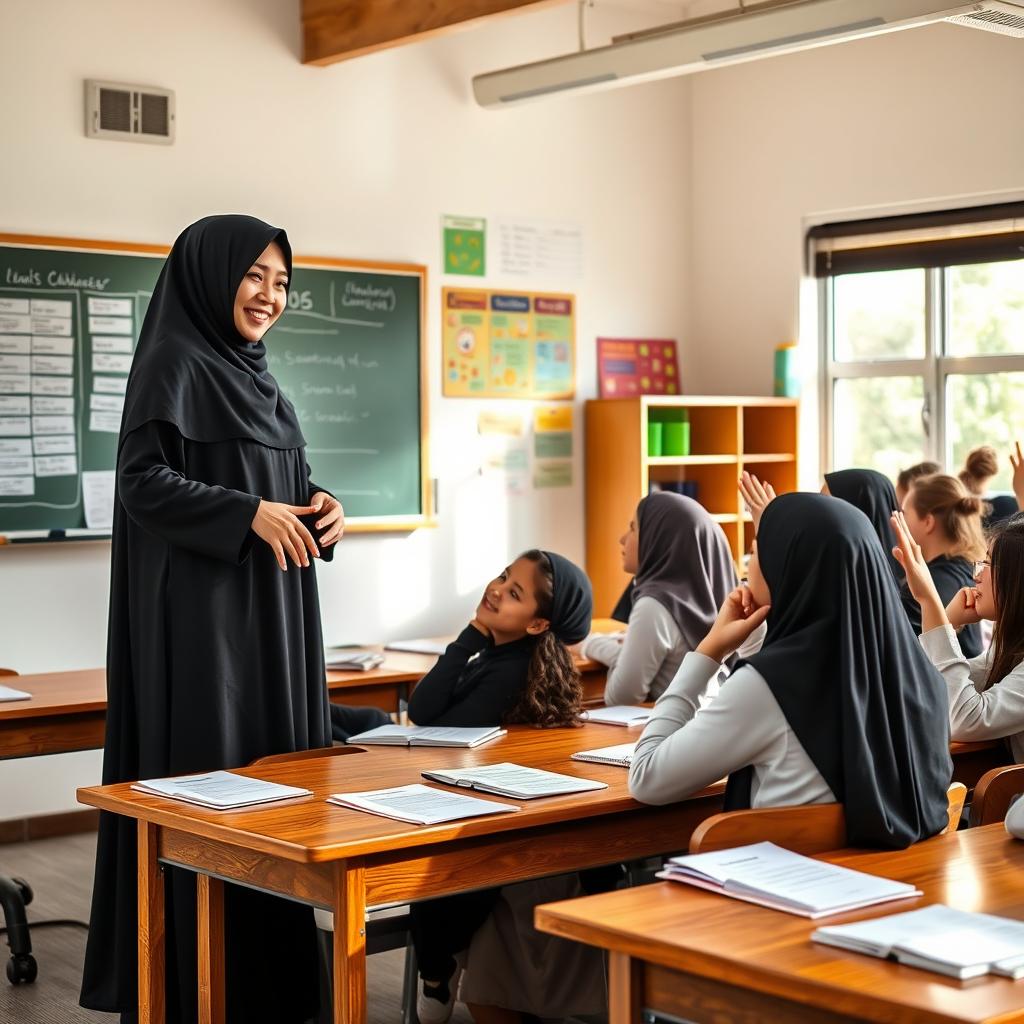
[(554, 693), (980, 466), (957, 512)]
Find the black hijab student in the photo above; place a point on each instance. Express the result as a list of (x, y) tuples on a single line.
[(214, 652), (875, 496), (839, 704), (511, 664)]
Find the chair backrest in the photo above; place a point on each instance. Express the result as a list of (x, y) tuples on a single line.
[(8, 672), (807, 829), (995, 792), (303, 755)]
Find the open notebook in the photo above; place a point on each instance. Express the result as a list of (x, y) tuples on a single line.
[(428, 736), (513, 780), (420, 805), (937, 938), (219, 790), (770, 876), (621, 754)]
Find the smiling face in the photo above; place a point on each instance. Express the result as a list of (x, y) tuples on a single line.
[(262, 295), (509, 604), (630, 544)]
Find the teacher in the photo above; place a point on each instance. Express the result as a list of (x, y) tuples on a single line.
[(214, 647)]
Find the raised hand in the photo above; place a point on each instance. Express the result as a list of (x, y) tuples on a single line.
[(1017, 462), (757, 495)]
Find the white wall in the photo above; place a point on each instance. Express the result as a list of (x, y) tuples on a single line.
[(898, 121), (359, 160)]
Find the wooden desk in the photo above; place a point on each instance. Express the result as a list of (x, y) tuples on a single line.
[(700, 957), (68, 709), (344, 860)]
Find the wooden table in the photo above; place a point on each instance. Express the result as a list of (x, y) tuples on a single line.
[(700, 957), (345, 860)]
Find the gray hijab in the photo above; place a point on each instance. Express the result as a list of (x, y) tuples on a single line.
[(684, 562)]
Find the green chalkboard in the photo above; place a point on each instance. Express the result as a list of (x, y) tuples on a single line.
[(348, 351)]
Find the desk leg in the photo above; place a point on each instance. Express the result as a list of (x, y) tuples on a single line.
[(624, 989), (152, 1003), (210, 911), (349, 943)]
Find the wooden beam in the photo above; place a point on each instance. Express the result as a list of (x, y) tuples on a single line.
[(336, 30)]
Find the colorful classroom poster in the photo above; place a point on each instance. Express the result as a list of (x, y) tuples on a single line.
[(552, 474), (552, 432), (501, 344), (628, 367), (465, 245)]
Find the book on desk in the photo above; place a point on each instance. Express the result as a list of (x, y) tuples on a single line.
[(219, 790), (513, 780), (428, 736), (419, 804)]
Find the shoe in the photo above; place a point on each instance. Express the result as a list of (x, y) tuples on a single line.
[(434, 1003)]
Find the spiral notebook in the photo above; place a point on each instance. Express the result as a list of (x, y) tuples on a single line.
[(621, 754)]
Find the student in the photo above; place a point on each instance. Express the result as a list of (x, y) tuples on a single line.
[(945, 521), (510, 664), (986, 693), (980, 466), (684, 570), (910, 474), (215, 651), (873, 494), (839, 703)]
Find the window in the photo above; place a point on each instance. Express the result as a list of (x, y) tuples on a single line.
[(921, 361)]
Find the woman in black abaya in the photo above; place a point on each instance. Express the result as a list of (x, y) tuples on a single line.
[(214, 651)]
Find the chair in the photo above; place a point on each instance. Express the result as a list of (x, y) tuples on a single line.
[(386, 928), (995, 792), (807, 829)]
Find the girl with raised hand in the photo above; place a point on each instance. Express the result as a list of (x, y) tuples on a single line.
[(684, 570), (985, 693), (839, 704), (511, 664), (945, 521)]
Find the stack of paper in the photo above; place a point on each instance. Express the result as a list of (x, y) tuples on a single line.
[(514, 780), (9, 693), (618, 715), (428, 736), (349, 660), (621, 754), (222, 790), (937, 938), (765, 874), (425, 646), (418, 804)]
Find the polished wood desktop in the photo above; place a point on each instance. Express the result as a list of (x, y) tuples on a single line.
[(697, 956), (345, 860)]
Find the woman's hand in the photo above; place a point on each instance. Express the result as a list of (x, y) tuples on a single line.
[(1017, 462), (280, 527), (919, 577), (757, 495), (332, 520), (738, 618), (962, 611), (480, 627)]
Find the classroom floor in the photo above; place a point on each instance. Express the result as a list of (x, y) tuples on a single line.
[(60, 873)]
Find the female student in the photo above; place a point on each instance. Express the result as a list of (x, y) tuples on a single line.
[(907, 477), (684, 570), (873, 494), (986, 694), (980, 466), (510, 664), (214, 652), (945, 522), (839, 703)]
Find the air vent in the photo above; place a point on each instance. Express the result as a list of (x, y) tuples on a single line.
[(131, 113), (993, 17)]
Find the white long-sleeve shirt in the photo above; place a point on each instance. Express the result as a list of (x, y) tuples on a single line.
[(976, 714), (643, 663), (685, 747)]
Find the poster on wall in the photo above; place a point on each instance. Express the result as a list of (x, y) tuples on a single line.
[(632, 366), (505, 344), (465, 245)]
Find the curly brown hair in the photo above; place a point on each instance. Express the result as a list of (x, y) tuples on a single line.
[(554, 694)]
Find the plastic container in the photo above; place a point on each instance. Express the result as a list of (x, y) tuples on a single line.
[(655, 438), (676, 438)]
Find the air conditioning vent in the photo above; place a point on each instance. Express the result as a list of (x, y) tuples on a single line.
[(131, 113), (993, 17)]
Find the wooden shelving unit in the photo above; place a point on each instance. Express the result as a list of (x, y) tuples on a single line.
[(728, 434)]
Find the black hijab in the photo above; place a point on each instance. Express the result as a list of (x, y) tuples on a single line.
[(875, 496), (572, 601), (848, 673), (192, 368)]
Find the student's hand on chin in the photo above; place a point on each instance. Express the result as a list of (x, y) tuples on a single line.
[(479, 626), (962, 610), (908, 554), (738, 618)]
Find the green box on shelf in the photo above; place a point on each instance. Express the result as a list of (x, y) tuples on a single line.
[(655, 438)]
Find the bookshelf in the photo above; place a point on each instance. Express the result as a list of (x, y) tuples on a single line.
[(728, 435)]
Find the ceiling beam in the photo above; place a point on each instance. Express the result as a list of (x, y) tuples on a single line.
[(336, 30)]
